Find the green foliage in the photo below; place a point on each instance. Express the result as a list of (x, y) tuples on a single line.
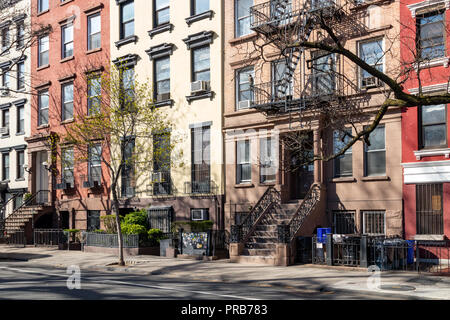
[(154, 236), (137, 217), (133, 229), (27, 196), (74, 234), (99, 231), (192, 226), (109, 221)]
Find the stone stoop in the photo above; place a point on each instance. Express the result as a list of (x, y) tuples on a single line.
[(261, 247)]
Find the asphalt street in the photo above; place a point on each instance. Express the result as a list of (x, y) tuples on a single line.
[(22, 281)]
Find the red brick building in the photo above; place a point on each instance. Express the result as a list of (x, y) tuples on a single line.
[(71, 194), (425, 138)]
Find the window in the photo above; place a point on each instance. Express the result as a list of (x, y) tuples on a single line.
[(18, 201), (267, 160), (429, 209), (43, 51), (342, 164), (20, 75), (20, 34), (372, 53), (126, 19), (201, 155), (42, 5), (242, 11), (43, 108), (244, 93), (5, 38), (19, 164), (373, 222), (201, 64), (375, 154), (93, 221), (280, 90), (5, 78), (20, 119), (67, 164), (5, 120), (127, 83), (244, 167), (128, 170), (162, 12), (323, 73), (94, 32), (430, 35), (67, 101), (344, 222), (433, 126), (162, 79), (95, 162), (94, 94), (5, 166), (67, 41), (160, 218), (199, 6), (161, 164)]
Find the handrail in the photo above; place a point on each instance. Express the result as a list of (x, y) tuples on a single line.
[(29, 201), (6, 203), (308, 203), (270, 196)]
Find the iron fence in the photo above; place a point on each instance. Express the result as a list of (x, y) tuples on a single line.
[(106, 240), (14, 238), (384, 252), (49, 237)]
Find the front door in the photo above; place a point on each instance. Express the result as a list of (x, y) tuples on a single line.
[(301, 172), (42, 177)]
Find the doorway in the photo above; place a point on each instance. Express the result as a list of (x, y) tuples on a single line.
[(41, 177), (301, 172)]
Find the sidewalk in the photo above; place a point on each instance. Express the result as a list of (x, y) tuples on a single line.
[(302, 278)]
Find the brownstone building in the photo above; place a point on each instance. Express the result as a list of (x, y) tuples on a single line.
[(357, 193)]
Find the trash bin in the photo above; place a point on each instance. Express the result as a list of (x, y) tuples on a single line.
[(410, 253), (322, 234)]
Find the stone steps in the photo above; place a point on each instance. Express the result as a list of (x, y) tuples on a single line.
[(258, 252), (261, 245)]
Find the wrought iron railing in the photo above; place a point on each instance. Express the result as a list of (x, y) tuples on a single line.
[(15, 237), (267, 15), (269, 94), (306, 207), (48, 237), (95, 239), (161, 183), (242, 232), (200, 187)]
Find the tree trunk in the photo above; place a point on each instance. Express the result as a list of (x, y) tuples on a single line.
[(115, 208)]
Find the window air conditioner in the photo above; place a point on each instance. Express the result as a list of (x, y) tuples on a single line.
[(4, 131), (245, 104), (199, 86), (199, 214), (163, 96)]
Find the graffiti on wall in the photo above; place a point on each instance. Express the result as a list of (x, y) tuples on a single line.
[(195, 242)]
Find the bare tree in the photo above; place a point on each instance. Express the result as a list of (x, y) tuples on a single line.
[(321, 74)]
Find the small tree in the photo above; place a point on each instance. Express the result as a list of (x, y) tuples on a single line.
[(119, 131)]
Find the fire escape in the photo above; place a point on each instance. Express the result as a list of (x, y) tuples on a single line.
[(311, 80)]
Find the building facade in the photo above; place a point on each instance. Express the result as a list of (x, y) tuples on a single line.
[(425, 140), (77, 45), (15, 65), (177, 47), (361, 191)]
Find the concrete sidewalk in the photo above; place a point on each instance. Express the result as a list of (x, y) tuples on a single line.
[(303, 278)]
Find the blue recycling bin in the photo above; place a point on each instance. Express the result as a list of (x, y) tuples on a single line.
[(410, 252), (322, 234)]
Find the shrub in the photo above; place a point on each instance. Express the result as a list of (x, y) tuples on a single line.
[(154, 236), (133, 229), (109, 221), (137, 217), (74, 234), (26, 197)]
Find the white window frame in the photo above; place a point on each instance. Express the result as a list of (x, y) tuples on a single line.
[(383, 62)]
